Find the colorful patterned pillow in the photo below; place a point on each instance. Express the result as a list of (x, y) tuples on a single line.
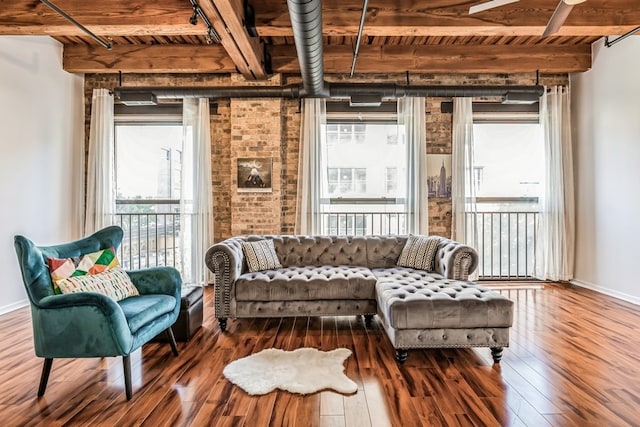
[(261, 255), (93, 263), (114, 283), (419, 252)]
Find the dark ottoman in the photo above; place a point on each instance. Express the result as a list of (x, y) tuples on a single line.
[(190, 317)]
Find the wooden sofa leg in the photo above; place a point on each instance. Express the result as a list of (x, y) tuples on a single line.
[(401, 355), (44, 378), (126, 364), (172, 341), (368, 318), (222, 321), (496, 353)]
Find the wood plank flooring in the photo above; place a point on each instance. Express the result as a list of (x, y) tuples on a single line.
[(573, 360)]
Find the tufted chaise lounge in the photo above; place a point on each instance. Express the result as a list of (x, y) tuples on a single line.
[(358, 275)]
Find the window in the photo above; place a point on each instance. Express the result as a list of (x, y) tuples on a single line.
[(346, 133), (509, 176), (364, 155), (344, 181), (148, 157), (391, 180)]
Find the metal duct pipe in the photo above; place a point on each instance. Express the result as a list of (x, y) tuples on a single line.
[(345, 90), (291, 91), (333, 90), (306, 21)]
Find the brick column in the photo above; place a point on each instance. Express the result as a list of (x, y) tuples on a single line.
[(256, 132)]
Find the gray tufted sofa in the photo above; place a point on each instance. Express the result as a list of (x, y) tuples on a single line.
[(358, 275)]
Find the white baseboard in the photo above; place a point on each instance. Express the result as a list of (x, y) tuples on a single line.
[(607, 291), (16, 305)]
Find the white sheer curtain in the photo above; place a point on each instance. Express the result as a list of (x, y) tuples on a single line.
[(196, 198), (463, 183), (411, 115), (556, 238), (101, 201), (310, 171)]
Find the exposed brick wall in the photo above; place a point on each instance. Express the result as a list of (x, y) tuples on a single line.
[(256, 132), (271, 128)]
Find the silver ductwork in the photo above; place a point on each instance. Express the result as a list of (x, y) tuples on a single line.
[(333, 90), (290, 91), (306, 21)]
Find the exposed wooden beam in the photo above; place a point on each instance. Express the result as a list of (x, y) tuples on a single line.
[(399, 18), (405, 18), (372, 59), (444, 59), (246, 52), (147, 59), (106, 17)]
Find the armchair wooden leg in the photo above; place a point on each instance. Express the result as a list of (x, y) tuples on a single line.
[(172, 341), (46, 369), (126, 364)]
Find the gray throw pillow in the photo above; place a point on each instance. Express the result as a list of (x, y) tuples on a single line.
[(261, 255), (419, 252)]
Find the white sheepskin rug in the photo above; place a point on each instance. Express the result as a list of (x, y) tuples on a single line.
[(304, 371)]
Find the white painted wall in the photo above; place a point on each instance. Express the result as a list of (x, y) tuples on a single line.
[(606, 125), (41, 154)]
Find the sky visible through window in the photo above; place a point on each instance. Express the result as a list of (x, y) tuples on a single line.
[(145, 155), (509, 159)]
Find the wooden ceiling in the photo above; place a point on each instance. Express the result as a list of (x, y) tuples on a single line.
[(430, 36)]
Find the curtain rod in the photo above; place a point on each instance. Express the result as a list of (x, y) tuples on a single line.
[(608, 43)]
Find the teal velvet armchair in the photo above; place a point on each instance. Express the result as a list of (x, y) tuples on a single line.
[(89, 324)]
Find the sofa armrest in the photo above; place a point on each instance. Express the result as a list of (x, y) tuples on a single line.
[(226, 260), (455, 260)]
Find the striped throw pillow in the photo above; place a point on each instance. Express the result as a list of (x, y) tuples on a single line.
[(114, 283), (260, 255), (419, 252)]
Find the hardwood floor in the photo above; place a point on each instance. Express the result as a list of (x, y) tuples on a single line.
[(573, 360)]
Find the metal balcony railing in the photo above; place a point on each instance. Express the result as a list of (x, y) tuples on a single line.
[(506, 244), (506, 240), (150, 238), (363, 223)]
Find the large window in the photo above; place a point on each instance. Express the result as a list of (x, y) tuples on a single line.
[(509, 177), (148, 158), (364, 156)]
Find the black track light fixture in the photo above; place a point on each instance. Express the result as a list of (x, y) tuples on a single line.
[(194, 18), (211, 35)]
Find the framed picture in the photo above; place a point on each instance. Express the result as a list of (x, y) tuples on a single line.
[(254, 175), (439, 170)]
